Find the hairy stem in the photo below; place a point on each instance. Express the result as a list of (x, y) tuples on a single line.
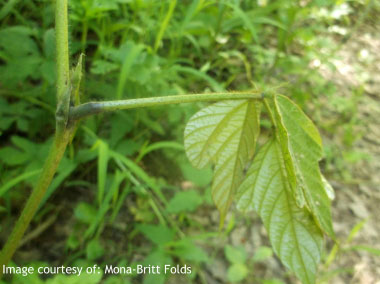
[(50, 167), (92, 108), (62, 46), (61, 138)]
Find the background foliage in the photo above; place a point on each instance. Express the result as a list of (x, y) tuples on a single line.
[(125, 192)]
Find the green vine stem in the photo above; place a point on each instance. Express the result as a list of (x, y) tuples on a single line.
[(51, 164), (92, 108), (61, 139), (62, 46)]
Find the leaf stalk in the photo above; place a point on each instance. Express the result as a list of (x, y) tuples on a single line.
[(91, 108)]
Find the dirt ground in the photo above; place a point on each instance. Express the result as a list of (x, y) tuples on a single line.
[(359, 67)]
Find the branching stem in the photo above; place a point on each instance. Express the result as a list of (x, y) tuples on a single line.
[(66, 120)]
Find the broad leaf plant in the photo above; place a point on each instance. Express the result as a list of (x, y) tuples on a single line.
[(280, 179), (283, 183)]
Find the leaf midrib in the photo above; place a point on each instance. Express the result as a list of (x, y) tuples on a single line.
[(219, 125), (235, 155), (235, 175), (261, 162), (283, 179)]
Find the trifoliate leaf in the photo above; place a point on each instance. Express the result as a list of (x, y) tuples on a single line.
[(302, 149), (225, 134), (295, 236)]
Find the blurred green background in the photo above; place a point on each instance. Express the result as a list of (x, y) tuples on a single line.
[(125, 193)]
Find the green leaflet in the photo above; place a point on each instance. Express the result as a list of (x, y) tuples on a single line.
[(294, 235), (225, 134), (302, 149)]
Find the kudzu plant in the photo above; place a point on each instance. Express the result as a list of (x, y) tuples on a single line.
[(280, 180)]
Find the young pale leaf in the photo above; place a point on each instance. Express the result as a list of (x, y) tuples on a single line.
[(295, 236), (225, 134), (302, 148)]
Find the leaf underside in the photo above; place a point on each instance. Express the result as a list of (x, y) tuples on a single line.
[(302, 149), (283, 184), (295, 236), (224, 134)]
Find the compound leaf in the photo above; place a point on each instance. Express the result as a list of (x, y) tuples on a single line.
[(295, 236), (302, 149), (225, 134)]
